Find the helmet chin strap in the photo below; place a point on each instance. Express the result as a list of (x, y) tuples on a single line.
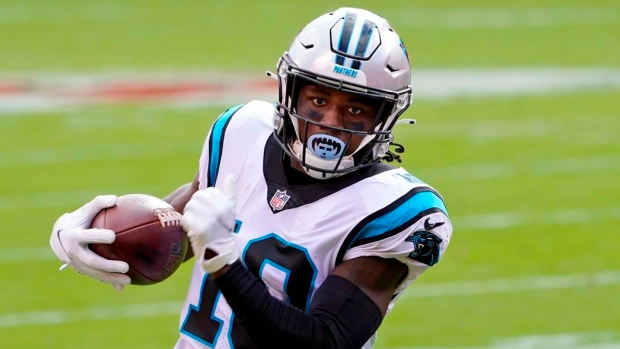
[(329, 165)]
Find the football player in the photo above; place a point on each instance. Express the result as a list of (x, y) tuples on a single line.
[(302, 236)]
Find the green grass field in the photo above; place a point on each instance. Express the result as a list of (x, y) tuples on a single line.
[(531, 180)]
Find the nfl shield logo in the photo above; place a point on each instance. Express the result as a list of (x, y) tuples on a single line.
[(278, 200), (176, 253)]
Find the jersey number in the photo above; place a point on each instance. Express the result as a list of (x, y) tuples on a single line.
[(269, 251)]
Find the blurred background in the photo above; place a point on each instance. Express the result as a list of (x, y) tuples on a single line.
[(518, 109)]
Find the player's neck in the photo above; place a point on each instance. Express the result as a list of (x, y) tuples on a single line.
[(296, 165), (295, 174)]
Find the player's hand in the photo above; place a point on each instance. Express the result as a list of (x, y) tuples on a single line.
[(71, 236), (209, 219)]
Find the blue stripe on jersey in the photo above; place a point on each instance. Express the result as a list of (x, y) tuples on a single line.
[(216, 143), (394, 218), (401, 216)]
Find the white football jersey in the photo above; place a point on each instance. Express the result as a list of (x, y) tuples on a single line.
[(292, 237)]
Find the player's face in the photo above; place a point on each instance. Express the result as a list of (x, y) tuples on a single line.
[(327, 107)]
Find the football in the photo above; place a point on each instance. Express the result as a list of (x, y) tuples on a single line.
[(148, 237)]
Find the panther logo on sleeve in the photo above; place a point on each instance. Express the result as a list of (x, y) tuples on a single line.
[(425, 247)]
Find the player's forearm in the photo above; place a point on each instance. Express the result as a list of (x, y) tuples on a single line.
[(341, 315), (179, 197)]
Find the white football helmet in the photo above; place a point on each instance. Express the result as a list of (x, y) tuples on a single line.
[(351, 50)]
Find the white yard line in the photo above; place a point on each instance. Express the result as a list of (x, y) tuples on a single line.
[(57, 317), (53, 156), (464, 224), (457, 289), (62, 198), (498, 17), (506, 220), (524, 284), (42, 12), (40, 92), (450, 83), (556, 127), (551, 166), (565, 165), (571, 340), (26, 254), (443, 18)]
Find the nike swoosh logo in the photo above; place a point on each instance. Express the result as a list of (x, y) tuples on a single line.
[(430, 226)]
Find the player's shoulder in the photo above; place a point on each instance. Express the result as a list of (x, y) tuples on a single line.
[(408, 221), (252, 115), (401, 187), (233, 133)]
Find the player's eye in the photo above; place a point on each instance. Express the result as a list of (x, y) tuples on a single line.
[(356, 111), (318, 101)]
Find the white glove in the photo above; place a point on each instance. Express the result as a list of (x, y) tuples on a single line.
[(209, 219), (71, 236)]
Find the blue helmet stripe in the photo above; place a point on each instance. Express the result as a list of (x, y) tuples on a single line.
[(345, 36), (363, 42)]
